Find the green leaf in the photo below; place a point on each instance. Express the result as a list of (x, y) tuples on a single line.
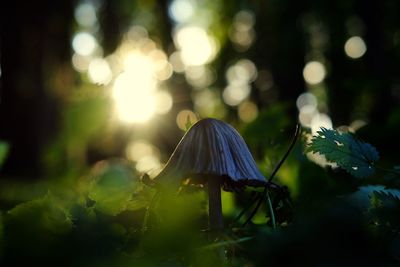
[(385, 207), (40, 215), (362, 197), (113, 187), (354, 156), (387, 194)]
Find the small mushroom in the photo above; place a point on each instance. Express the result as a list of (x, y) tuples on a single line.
[(213, 153)]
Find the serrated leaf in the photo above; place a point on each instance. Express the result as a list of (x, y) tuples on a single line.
[(387, 195), (362, 197), (354, 156), (385, 207)]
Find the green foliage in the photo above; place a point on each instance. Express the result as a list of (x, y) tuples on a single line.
[(45, 214), (354, 156), (114, 188), (385, 208), (362, 197), (85, 118), (4, 147)]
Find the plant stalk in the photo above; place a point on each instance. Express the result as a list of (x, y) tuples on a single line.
[(265, 191), (214, 204), (271, 211)]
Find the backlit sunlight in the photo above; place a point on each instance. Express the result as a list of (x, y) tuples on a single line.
[(135, 91)]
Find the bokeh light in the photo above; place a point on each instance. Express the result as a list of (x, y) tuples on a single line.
[(138, 149), (134, 101), (80, 63), (199, 76), (145, 155), (196, 46), (239, 77), (143, 67), (233, 95), (306, 115), (181, 10), (306, 99), (99, 71), (184, 117), (84, 43), (176, 61), (149, 164), (314, 72), (164, 102), (355, 47), (247, 111), (208, 103), (320, 120), (242, 33), (243, 72), (85, 15)]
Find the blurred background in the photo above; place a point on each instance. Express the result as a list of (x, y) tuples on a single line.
[(84, 80), (94, 93)]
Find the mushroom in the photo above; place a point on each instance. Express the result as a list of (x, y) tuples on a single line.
[(212, 152)]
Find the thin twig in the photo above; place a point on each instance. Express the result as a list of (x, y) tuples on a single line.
[(254, 211), (264, 193), (254, 200), (294, 140)]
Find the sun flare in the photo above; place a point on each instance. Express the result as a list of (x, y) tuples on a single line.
[(136, 91)]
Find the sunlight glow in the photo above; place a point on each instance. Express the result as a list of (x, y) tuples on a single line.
[(314, 72), (196, 46), (84, 43), (138, 149), (134, 97), (355, 47), (149, 164), (145, 155), (163, 102), (99, 71), (142, 68)]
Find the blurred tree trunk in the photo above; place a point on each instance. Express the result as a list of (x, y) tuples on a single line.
[(280, 47), (35, 56)]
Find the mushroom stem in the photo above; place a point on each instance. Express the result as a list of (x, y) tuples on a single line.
[(214, 204)]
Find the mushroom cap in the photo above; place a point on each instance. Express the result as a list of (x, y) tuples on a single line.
[(212, 148)]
